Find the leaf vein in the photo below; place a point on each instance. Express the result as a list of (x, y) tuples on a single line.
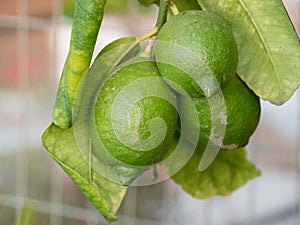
[(263, 42)]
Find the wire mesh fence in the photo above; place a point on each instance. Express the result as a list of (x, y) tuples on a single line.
[(34, 39)]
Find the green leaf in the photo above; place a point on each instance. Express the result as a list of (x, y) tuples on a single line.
[(229, 171), (180, 4), (105, 195), (186, 4), (269, 49), (87, 20), (148, 2)]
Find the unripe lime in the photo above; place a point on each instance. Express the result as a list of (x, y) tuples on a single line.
[(196, 50), (135, 115), (240, 116)]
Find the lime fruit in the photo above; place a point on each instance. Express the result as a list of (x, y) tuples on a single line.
[(240, 116), (196, 50), (135, 115)]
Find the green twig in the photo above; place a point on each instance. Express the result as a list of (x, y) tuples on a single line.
[(149, 34), (162, 14)]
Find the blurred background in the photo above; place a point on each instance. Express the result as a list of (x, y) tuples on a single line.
[(34, 40)]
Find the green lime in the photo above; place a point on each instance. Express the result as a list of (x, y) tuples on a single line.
[(135, 115), (196, 50), (240, 116)]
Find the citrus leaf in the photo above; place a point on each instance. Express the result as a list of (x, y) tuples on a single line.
[(180, 4), (87, 20), (229, 171), (148, 2), (105, 195), (186, 4), (269, 49)]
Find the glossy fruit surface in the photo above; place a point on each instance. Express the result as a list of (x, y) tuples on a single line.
[(239, 117), (196, 50), (135, 115)]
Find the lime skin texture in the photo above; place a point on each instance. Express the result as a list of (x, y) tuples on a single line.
[(238, 110), (130, 144), (196, 50)]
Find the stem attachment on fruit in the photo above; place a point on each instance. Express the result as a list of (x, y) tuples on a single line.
[(162, 13)]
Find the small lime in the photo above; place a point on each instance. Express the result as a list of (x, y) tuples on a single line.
[(239, 117), (196, 50)]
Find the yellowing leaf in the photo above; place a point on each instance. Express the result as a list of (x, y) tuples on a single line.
[(87, 20), (105, 195)]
